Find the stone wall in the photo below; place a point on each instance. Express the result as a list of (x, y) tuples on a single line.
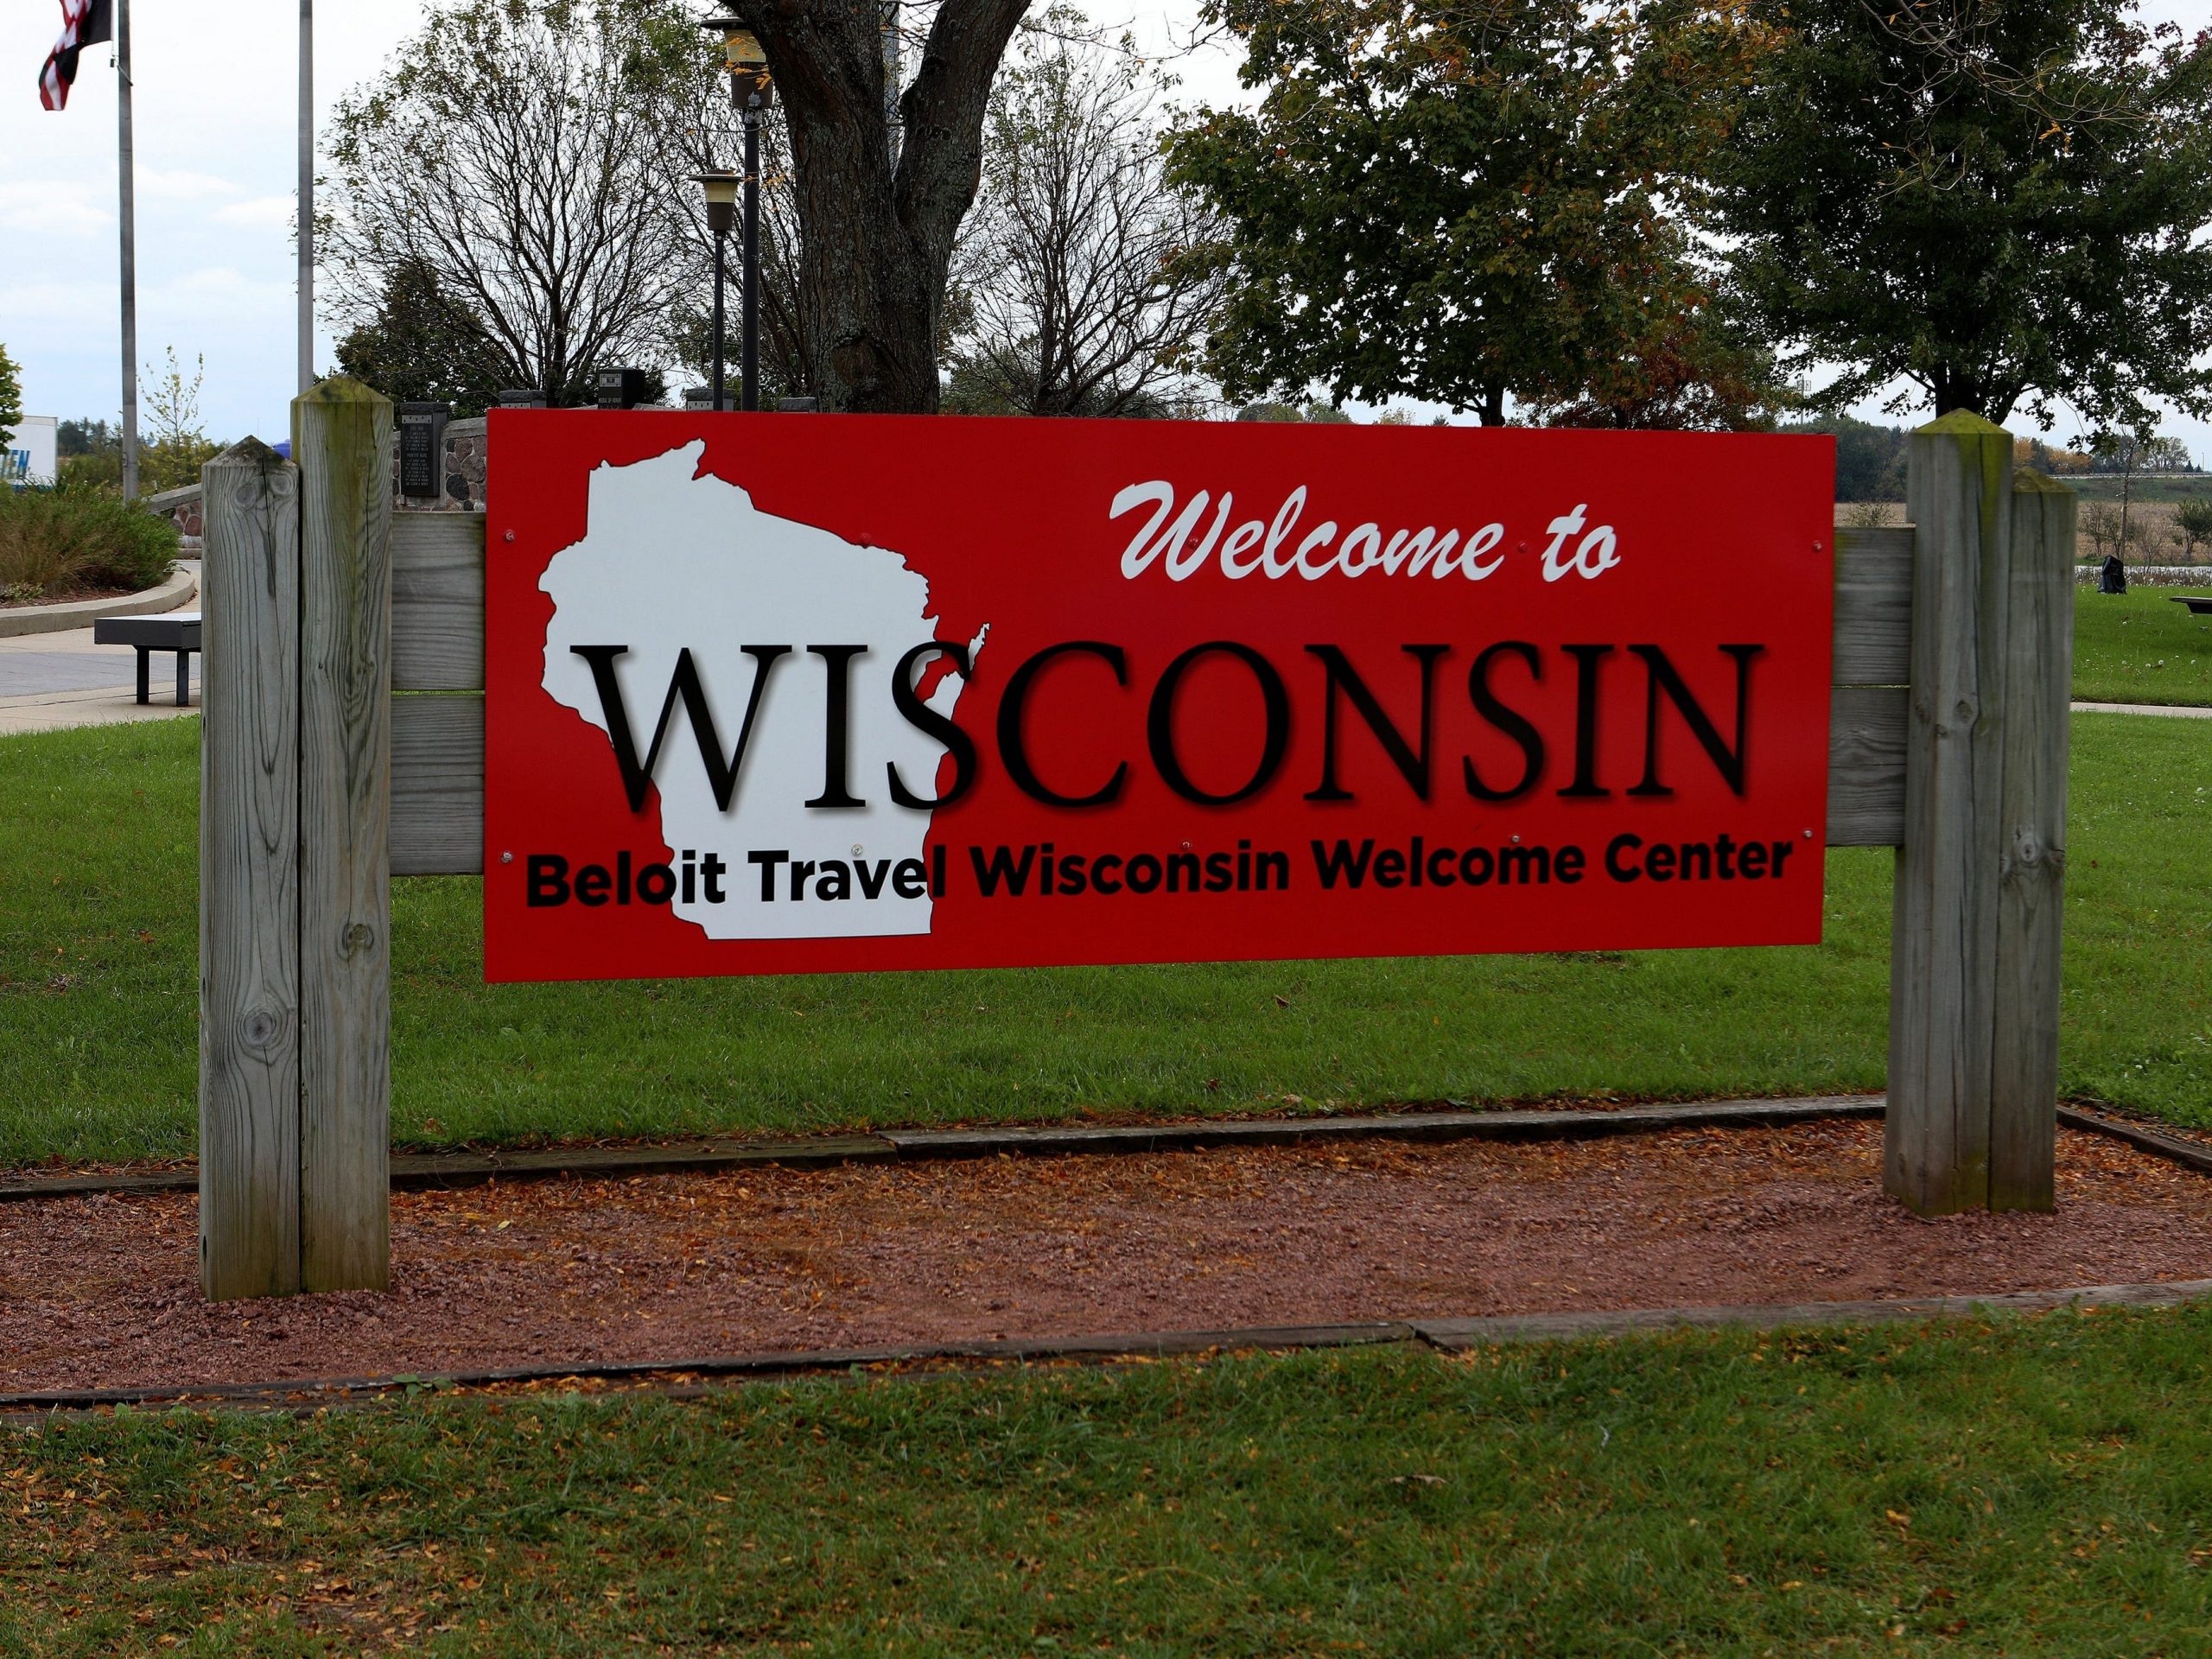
[(463, 481), (181, 507), (463, 477)]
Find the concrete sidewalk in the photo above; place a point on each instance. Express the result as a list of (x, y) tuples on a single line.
[(48, 681), (2172, 710)]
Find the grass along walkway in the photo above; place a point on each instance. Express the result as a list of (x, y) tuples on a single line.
[(2037, 1485), (98, 996), (2139, 647)]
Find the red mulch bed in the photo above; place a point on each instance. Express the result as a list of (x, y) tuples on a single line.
[(100, 1292)]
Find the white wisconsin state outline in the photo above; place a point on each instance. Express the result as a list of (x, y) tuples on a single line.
[(672, 558)]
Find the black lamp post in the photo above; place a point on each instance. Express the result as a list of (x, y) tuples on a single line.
[(752, 92), (722, 208)]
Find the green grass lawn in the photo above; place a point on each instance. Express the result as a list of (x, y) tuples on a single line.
[(2139, 647), (2015, 1486), (98, 996)]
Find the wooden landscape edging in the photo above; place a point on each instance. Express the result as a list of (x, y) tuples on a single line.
[(686, 1378), (448, 1171), (365, 640)]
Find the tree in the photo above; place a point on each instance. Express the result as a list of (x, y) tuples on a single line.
[(11, 396), (1994, 200), (1089, 290), (1309, 414), (2053, 463), (2100, 522), (87, 437), (877, 231), (517, 156), (2127, 453), (176, 446), (2193, 524), (423, 346), (1456, 203), (1693, 368)]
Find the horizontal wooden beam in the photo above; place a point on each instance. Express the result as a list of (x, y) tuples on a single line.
[(437, 602), (1866, 740), (437, 778), (437, 785), (1873, 606)]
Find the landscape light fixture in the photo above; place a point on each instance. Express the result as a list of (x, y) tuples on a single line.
[(721, 191), (752, 92), (745, 60)]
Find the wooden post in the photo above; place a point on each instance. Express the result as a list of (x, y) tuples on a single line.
[(1974, 977), (341, 436), (2032, 868), (249, 876)]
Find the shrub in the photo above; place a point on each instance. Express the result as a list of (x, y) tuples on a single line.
[(2100, 521), (2193, 524), (52, 540)]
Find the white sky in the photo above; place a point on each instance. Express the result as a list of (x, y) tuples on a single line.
[(216, 166)]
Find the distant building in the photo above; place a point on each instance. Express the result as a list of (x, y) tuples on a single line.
[(29, 455)]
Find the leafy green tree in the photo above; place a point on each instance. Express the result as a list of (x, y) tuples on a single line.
[(1311, 414), (425, 346), (1693, 367), (1870, 460), (11, 396), (87, 436), (1996, 201), (1456, 203), (2193, 524)]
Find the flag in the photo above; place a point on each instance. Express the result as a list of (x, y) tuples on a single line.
[(84, 23)]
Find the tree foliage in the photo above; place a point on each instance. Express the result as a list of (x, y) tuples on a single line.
[(1089, 288), (1692, 366), (518, 155), (174, 445), (1460, 202), (2125, 452), (11, 396), (1997, 200), (423, 346)]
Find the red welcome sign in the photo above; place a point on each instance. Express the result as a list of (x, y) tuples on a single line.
[(771, 695)]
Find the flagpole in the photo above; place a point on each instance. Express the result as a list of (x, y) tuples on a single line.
[(125, 195), (307, 194)]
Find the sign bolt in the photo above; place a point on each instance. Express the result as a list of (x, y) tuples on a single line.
[(509, 858), (511, 536)]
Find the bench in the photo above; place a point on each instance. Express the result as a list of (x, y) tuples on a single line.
[(2199, 604), (179, 631)]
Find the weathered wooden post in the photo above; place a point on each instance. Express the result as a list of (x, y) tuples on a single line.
[(249, 875), (295, 807), (341, 436), (1974, 944)]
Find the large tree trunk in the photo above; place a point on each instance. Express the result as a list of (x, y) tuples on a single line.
[(876, 241)]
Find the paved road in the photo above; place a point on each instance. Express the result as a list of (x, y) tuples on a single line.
[(51, 680)]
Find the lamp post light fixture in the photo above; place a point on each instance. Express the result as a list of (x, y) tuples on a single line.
[(752, 92), (720, 190)]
